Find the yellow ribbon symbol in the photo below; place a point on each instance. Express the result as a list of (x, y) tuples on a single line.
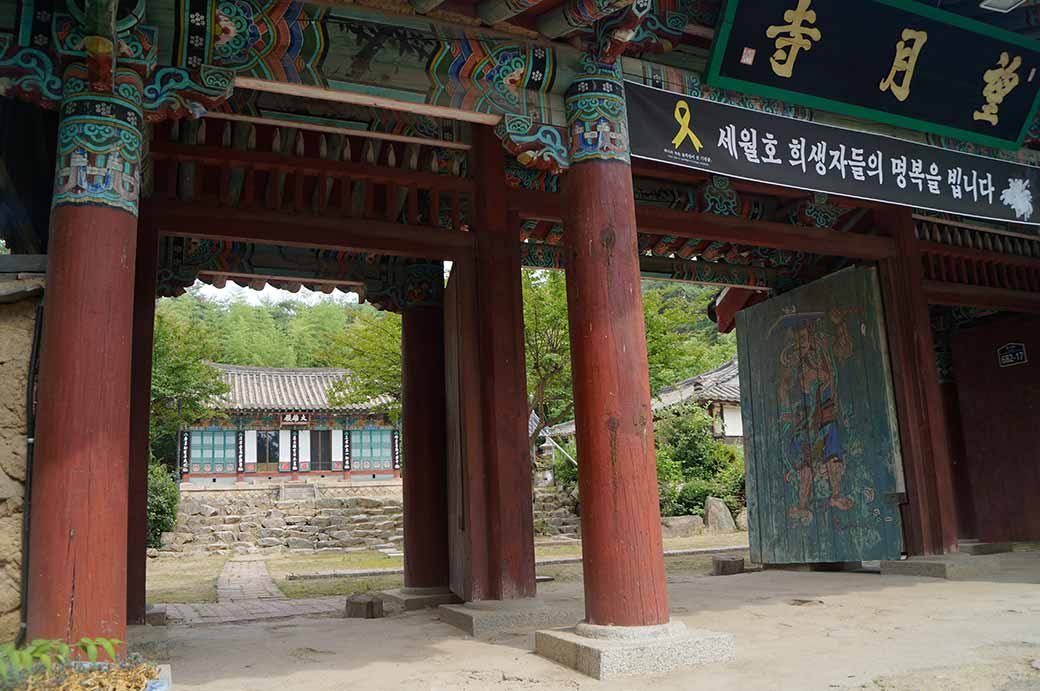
[(682, 116)]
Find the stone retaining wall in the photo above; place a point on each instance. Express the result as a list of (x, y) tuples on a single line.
[(17, 325), (244, 522)]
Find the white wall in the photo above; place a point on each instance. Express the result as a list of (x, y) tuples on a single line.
[(734, 425), (250, 446)]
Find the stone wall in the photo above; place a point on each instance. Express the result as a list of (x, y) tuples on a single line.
[(17, 324), (555, 513), (245, 521)]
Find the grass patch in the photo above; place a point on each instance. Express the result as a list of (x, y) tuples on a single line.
[(695, 542), (187, 579), (322, 587), (284, 564)]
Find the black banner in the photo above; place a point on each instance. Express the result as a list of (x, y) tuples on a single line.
[(757, 146), (396, 447), (185, 452), (240, 451), (346, 449), (294, 450), (893, 61)]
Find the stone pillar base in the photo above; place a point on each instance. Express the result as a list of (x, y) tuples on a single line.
[(977, 547), (952, 567), (421, 598), (606, 652), (488, 618)]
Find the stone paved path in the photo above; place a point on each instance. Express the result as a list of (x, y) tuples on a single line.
[(245, 592)]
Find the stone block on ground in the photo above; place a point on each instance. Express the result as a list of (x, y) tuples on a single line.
[(155, 615), (978, 548), (952, 567), (364, 606), (726, 565), (608, 652), (421, 598), (742, 520), (681, 526), (717, 516), (488, 618)]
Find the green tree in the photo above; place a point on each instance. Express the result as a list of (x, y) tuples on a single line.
[(369, 348), (313, 327), (699, 464), (163, 498), (183, 384), (547, 349), (251, 335)]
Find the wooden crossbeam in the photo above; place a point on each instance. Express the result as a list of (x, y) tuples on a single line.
[(369, 100), (691, 224), (961, 295), (348, 131), (302, 230)]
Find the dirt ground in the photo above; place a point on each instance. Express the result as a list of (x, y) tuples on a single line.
[(794, 630), (192, 579)]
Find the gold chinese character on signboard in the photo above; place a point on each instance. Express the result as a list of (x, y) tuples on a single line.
[(902, 72), (1000, 81), (794, 36)]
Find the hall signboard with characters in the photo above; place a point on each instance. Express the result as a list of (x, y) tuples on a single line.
[(894, 61), (824, 471), (753, 145)]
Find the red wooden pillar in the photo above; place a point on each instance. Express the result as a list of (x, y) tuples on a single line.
[(78, 532), (423, 423), (500, 320), (623, 560), (930, 518), (140, 408)]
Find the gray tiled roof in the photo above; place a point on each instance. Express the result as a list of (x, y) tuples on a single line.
[(282, 388), (721, 384)]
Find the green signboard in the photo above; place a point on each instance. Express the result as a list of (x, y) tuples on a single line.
[(893, 61)]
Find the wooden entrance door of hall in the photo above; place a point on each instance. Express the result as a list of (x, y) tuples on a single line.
[(824, 471)]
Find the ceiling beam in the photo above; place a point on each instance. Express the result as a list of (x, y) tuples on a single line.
[(960, 295), (547, 206), (212, 222), (577, 14), (495, 11)]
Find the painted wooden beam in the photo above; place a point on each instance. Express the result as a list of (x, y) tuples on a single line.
[(300, 230), (424, 6), (726, 307), (690, 224), (495, 11), (577, 14)]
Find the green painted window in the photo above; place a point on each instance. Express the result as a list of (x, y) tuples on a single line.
[(372, 450), (213, 451)]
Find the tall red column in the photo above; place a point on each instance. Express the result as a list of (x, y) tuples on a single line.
[(140, 408), (423, 428), (623, 560), (78, 529)]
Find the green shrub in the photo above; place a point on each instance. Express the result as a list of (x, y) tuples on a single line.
[(693, 493), (163, 498), (732, 484)]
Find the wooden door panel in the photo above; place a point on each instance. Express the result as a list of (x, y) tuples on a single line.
[(821, 440)]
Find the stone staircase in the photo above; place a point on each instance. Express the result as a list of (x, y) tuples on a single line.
[(554, 514)]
